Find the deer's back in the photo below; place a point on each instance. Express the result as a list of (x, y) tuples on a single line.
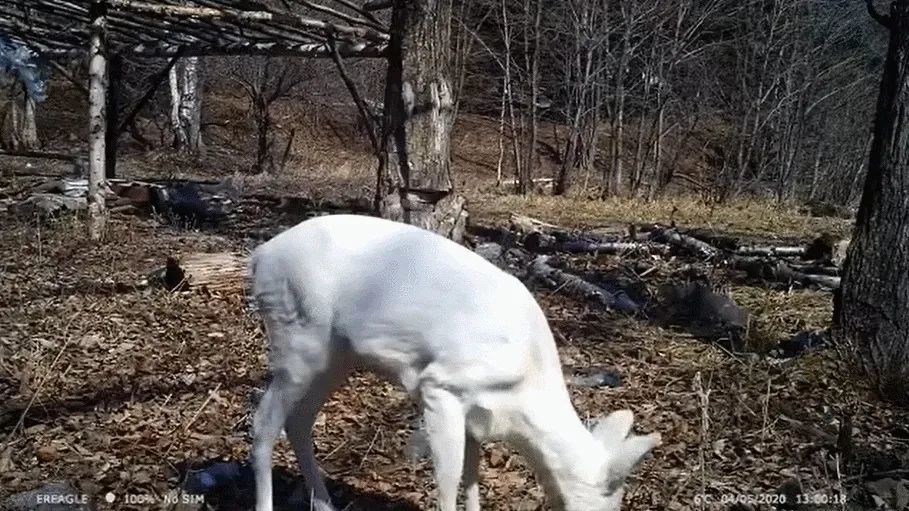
[(407, 302)]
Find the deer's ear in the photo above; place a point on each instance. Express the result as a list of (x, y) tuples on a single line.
[(613, 429), (628, 454)]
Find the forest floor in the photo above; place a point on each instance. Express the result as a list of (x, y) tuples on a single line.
[(120, 389)]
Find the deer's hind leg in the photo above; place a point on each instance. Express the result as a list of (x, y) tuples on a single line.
[(300, 356), (299, 424)]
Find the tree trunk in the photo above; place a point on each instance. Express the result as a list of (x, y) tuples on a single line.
[(415, 183), (186, 105), (97, 125), (263, 126), (21, 130), (112, 136), (873, 312)]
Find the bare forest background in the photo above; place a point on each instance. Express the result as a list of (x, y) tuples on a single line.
[(719, 97), (700, 163)]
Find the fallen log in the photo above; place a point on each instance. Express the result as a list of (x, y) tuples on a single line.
[(543, 243), (815, 269), (781, 272), (525, 224), (770, 251), (610, 247), (540, 269), (687, 243), (541, 182), (542, 237), (715, 239)]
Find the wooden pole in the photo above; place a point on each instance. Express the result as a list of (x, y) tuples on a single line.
[(97, 104), (112, 130)]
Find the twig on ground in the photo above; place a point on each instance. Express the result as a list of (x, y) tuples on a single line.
[(208, 399)]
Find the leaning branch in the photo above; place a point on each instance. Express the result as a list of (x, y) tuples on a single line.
[(357, 98)]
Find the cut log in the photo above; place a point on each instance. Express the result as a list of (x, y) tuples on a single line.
[(541, 237), (558, 279), (781, 272), (536, 180), (687, 243), (221, 272), (770, 251), (525, 224), (815, 269), (611, 247), (716, 239)]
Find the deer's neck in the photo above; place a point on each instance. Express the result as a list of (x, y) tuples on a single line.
[(561, 450)]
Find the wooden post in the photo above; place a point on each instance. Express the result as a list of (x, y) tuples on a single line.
[(97, 104), (112, 130)]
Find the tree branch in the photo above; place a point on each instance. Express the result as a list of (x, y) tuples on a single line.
[(69, 77), (371, 127)]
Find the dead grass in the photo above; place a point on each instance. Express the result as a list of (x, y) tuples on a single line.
[(745, 216), (778, 315)]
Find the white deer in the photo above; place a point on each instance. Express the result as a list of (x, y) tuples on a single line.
[(465, 339)]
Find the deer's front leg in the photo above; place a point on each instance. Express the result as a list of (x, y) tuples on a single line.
[(444, 421), (472, 455)]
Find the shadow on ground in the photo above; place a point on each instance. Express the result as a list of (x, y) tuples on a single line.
[(230, 486)]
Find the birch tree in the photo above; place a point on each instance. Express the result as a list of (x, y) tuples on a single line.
[(186, 104)]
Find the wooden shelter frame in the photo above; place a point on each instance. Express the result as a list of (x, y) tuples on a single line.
[(106, 31)]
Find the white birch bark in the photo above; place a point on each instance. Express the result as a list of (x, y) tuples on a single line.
[(186, 104)]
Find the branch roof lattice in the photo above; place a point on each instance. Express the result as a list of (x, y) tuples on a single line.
[(164, 28)]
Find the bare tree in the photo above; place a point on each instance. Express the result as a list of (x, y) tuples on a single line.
[(585, 36), (265, 80), (19, 128)]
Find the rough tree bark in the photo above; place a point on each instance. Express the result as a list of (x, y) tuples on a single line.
[(415, 183), (186, 104), (872, 315)]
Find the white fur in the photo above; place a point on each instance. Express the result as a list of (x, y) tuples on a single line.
[(465, 339)]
